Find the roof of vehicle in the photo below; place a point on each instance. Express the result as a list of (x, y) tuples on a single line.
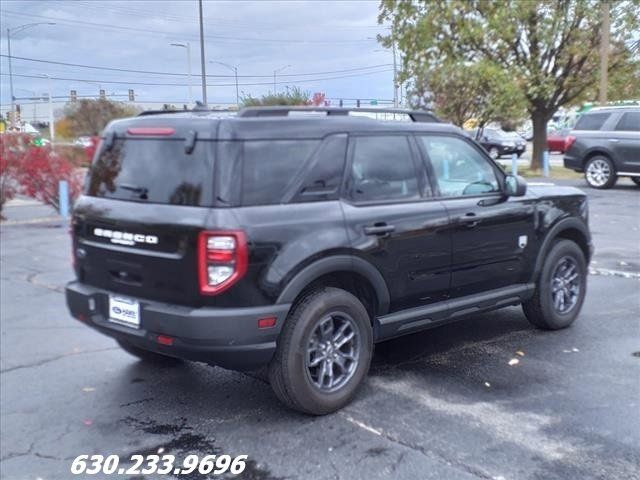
[(226, 126), (613, 108)]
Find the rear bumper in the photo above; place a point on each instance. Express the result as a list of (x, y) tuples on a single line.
[(573, 163), (227, 337)]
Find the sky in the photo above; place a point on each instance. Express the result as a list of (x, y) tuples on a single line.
[(319, 46)]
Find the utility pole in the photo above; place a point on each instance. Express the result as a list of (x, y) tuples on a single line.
[(395, 74), (604, 53), (52, 130), (202, 62)]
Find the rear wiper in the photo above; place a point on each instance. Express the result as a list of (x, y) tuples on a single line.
[(141, 191)]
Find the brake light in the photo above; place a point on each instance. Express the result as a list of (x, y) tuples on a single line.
[(222, 260), (150, 131), (568, 141)]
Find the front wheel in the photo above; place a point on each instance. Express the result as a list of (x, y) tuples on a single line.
[(323, 353), (636, 180), (561, 288), (600, 173)]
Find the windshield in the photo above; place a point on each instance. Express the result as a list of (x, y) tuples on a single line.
[(153, 171)]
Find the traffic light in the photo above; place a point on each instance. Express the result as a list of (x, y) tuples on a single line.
[(103, 94), (358, 103), (132, 97), (73, 95)]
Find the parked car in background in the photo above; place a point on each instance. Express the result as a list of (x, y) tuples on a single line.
[(605, 145), (556, 139), (498, 142)]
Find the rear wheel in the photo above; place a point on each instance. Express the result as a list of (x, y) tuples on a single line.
[(636, 180), (561, 288), (324, 352), (600, 173), (148, 356)]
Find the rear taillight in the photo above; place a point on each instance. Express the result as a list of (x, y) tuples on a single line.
[(568, 141), (222, 260)]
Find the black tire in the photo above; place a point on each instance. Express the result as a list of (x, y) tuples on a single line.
[(635, 180), (289, 373), (540, 309), (148, 356), (600, 173)]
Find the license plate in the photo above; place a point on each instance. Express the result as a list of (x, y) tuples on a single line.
[(124, 311)]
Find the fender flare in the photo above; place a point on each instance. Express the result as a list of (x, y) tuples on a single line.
[(337, 263), (570, 223)]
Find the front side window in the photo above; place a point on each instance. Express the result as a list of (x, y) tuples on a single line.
[(459, 168), (382, 169), (591, 121)]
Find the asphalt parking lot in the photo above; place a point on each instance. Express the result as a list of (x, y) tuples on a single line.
[(441, 404)]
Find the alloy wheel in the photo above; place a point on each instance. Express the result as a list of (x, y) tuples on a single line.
[(332, 354), (565, 285), (598, 172)]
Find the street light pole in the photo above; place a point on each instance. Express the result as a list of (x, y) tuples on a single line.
[(202, 62), (395, 74), (235, 71), (187, 46), (276, 72), (17, 29)]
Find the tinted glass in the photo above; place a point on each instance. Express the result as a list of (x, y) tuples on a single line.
[(629, 122), (321, 179), (382, 169), (271, 167), (591, 121), (458, 167), (154, 171)]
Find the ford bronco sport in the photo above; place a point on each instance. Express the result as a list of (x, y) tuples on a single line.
[(295, 240)]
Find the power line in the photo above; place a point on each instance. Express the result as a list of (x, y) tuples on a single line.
[(147, 72), (307, 80)]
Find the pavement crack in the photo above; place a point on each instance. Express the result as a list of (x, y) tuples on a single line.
[(417, 448), (32, 279), (11, 455), (53, 359)]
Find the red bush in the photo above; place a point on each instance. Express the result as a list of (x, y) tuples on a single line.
[(36, 171)]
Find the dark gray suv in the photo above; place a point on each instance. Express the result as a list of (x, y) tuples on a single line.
[(605, 145)]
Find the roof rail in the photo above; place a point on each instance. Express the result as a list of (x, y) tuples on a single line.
[(196, 109), (283, 111)]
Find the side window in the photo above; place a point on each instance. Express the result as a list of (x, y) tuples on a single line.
[(270, 167), (321, 179), (629, 122), (591, 121), (458, 167), (382, 169)]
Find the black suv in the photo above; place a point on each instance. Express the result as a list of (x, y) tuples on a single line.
[(605, 145), (295, 240)]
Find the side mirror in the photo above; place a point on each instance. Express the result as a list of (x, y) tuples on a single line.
[(515, 186)]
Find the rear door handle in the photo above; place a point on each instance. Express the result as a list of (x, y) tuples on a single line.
[(470, 220), (379, 229)]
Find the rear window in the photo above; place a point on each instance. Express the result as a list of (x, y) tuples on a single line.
[(153, 171), (591, 121), (271, 167), (629, 122)]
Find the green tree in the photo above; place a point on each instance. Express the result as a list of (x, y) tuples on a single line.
[(550, 48), (291, 96), (461, 91), (89, 117)]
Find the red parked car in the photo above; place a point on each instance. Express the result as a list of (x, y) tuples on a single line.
[(556, 140)]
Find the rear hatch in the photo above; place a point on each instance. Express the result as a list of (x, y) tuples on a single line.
[(147, 196)]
